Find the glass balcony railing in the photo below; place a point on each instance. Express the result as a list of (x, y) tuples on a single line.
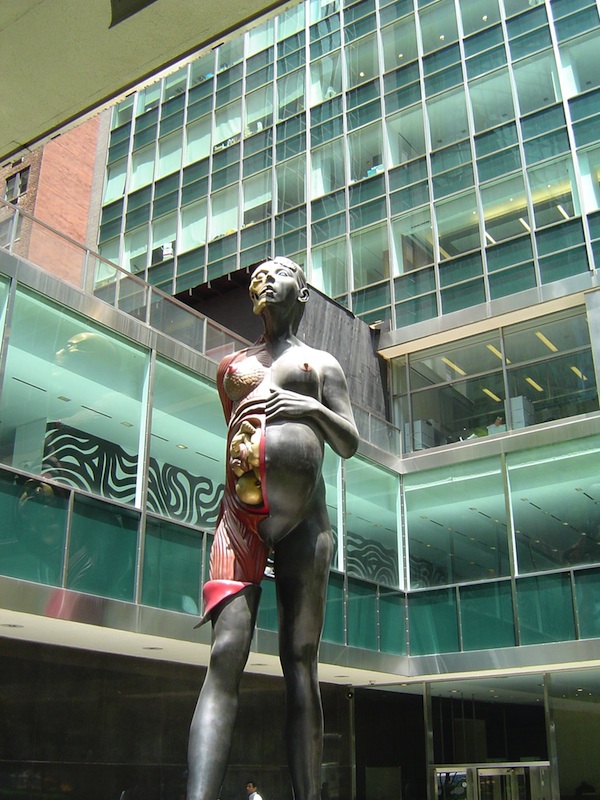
[(29, 238), (40, 244)]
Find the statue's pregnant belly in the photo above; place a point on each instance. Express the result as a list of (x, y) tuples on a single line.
[(293, 461)]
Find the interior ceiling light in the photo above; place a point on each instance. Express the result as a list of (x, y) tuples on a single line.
[(496, 352), (492, 395), (563, 212), (63, 398), (453, 366), (182, 446), (490, 238), (546, 341), (127, 424), (525, 224), (535, 385), (579, 373)]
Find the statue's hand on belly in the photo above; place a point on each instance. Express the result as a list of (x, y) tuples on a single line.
[(284, 403)]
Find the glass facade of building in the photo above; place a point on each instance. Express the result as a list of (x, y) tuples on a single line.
[(419, 158), (112, 465)]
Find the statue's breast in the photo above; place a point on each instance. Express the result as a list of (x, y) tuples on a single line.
[(242, 377)]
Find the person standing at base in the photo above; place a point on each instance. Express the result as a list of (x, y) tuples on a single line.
[(252, 791), (283, 401)]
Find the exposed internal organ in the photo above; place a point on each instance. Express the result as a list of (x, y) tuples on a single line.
[(244, 461), (242, 377)]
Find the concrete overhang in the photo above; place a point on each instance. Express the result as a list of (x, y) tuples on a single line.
[(62, 61)]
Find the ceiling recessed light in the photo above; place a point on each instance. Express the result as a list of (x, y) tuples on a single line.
[(11, 625), (152, 647), (64, 399), (182, 446), (127, 424)]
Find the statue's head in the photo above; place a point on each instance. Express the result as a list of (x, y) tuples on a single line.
[(279, 282)]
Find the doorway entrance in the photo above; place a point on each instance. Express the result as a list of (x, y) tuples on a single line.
[(522, 781)]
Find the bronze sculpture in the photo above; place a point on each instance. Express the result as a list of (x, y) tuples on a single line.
[(283, 400)]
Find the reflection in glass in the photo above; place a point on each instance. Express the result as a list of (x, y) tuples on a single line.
[(399, 42), (456, 522), (478, 14), (537, 82), (458, 227), (327, 169), (186, 447), (366, 152), (438, 26), (554, 192), (32, 536), (325, 78), (505, 209), (406, 135), (413, 242), (491, 100), (361, 61), (370, 256), (554, 497), (71, 401), (371, 523), (102, 550), (329, 268)]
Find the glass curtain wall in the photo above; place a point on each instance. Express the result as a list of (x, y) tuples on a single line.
[(483, 154), (525, 374)]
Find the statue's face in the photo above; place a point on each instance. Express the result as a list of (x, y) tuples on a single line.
[(274, 283)]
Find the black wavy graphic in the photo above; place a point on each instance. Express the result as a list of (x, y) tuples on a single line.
[(370, 559), (95, 465)]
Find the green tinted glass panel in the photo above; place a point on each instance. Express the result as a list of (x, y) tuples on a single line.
[(416, 310), (68, 388), (172, 565), (545, 609), (374, 297), (392, 624), (456, 517), (371, 494), (487, 616), (564, 265), (102, 550), (267, 611), (512, 252), (582, 22), (362, 615), (587, 593), (553, 495), (460, 269), (32, 537), (510, 281), (433, 624), (333, 630), (414, 283), (559, 237), (463, 295)]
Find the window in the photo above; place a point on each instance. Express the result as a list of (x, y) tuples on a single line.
[(16, 185), (525, 374)]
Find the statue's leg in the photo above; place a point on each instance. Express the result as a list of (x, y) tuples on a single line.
[(212, 725), (302, 562)]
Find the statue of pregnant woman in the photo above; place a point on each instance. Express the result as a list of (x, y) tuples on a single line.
[(283, 401)]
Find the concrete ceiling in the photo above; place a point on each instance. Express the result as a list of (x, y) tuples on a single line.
[(61, 61)]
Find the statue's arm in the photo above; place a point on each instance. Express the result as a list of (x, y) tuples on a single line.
[(332, 415), (336, 419)]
